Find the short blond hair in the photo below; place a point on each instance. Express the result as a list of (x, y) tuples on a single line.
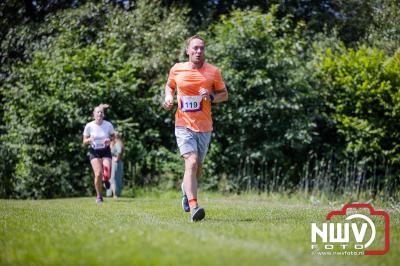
[(196, 36)]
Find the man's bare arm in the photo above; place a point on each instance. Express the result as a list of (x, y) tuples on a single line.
[(169, 97), (220, 96)]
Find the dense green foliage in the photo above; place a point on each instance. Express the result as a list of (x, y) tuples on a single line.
[(384, 30), (364, 100), (304, 111), (94, 58), (360, 96), (266, 117)]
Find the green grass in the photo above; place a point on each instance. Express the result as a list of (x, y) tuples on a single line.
[(153, 230)]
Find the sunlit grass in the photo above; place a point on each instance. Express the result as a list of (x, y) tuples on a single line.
[(153, 230)]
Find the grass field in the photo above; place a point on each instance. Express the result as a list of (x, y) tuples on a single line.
[(153, 230)]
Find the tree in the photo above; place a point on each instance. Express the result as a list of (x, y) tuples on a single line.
[(265, 122), (93, 54), (384, 31)]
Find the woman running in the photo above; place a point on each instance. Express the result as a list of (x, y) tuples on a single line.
[(98, 134)]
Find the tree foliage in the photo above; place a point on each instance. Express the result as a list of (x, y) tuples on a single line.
[(305, 111), (266, 117), (363, 100), (384, 31), (98, 55)]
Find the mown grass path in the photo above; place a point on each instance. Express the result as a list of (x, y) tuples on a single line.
[(152, 230)]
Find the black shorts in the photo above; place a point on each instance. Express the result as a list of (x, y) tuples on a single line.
[(100, 153)]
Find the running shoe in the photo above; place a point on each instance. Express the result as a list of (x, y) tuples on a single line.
[(185, 201), (99, 200), (106, 184), (198, 214)]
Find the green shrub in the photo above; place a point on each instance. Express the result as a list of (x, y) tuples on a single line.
[(265, 121), (94, 54)]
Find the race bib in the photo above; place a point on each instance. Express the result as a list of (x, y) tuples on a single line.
[(190, 103), (98, 143)]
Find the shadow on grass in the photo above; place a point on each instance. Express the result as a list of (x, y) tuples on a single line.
[(120, 200), (237, 220)]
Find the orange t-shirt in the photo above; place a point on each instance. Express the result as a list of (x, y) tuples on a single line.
[(194, 112)]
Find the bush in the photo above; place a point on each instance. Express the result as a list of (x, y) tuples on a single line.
[(266, 121)]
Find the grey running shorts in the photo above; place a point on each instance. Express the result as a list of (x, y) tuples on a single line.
[(191, 141)]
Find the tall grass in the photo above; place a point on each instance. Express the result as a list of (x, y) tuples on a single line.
[(352, 178)]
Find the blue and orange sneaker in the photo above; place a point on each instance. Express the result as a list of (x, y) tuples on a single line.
[(198, 214), (185, 201)]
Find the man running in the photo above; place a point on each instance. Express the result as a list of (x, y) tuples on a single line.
[(198, 85)]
